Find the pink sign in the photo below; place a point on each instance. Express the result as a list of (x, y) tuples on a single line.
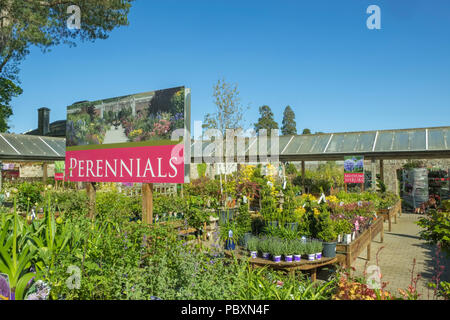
[(354, 177), (145, 164)]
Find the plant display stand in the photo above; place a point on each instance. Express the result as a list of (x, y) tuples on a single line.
[(390, 213), (351, 251), (289, 267)]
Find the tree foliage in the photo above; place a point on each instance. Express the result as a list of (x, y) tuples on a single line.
[(306, 131), (266, 120), (43, 23), (229, 110), (289, 126), (8, 90)]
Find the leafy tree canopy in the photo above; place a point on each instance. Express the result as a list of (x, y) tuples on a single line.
[(8, 90), (43, 23), (289, 126), (306, 131), (266, 120)]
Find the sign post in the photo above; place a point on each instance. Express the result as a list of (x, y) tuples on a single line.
[(91, 192), (147, 203)]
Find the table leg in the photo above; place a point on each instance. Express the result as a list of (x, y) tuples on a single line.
[(368, 252), (390, 223), (382, 235), (313, 274), (348, 261)]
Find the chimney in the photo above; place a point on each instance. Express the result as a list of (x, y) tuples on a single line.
[(43, 121)]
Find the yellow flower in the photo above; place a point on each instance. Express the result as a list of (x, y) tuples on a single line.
[(307, 196), (316, 212), (332, 199)]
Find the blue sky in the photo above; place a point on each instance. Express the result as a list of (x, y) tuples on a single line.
[(316, 56)]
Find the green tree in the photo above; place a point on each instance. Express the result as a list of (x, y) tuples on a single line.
[(266, 120), (289, 126), (43, 23), (8, 90), (306, 131), (229, 110)]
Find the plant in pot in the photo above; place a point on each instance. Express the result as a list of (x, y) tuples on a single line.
[(230, 234), (341, 227), (288, 212), (299, 249), (264, 247), (329, 236), (276, 250), (318, 247), (288, 250), (244, 221), (269, 208), (310, 250), (252, 246)]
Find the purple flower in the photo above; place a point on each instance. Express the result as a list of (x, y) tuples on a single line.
[(349, 165), (4, 287), (360, 164)]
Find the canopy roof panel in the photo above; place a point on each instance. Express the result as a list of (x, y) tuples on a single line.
[(382, 144), (29, 147)]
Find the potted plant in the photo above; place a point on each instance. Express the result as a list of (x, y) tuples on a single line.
[(342, 227), (328, 236), (288, 250), (276, 249), (264, 247), (229, 233), (318, 247), (299, 250), (252, 246), (310, 250)]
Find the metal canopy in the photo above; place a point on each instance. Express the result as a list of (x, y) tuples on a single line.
[(419, 143), (29, 147)]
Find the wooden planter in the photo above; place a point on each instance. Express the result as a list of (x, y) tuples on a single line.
[(351, 251), (390, 213)]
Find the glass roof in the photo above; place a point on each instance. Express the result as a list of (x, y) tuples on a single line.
[(21, 146), (383, 141)]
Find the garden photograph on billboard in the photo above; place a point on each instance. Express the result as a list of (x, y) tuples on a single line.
[(354, 169), (127, 139)]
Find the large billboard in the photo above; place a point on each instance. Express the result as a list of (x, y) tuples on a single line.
[(135, 138)]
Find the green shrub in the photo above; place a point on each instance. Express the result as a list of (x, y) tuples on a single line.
[(436, 226), (29, 193), (253, 244)]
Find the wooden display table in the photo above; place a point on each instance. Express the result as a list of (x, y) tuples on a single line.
[(290, 267), (352, 250), (390, 213)]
